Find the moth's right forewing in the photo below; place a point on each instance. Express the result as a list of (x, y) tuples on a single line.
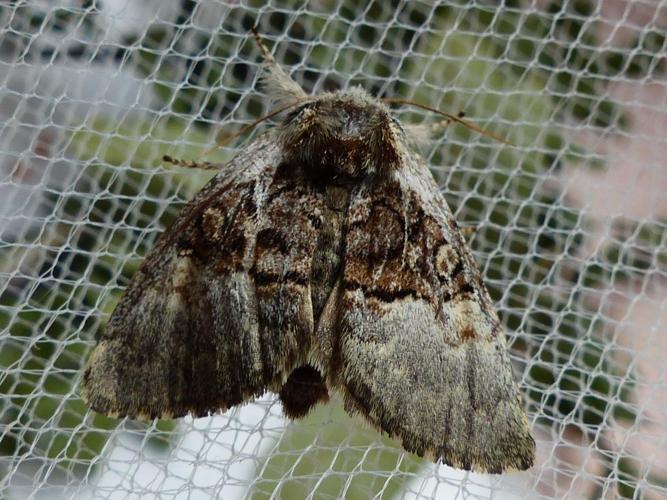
[(200, 328)]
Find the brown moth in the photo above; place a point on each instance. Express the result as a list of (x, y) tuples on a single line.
[(322, 259)]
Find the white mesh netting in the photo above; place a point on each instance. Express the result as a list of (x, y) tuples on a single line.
[(571, 229)]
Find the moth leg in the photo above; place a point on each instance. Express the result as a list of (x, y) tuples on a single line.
[(468, 231), (423, 132), (441, 125), (204, 165), (278, 84)]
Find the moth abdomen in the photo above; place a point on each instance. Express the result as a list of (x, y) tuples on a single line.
[(327, 258), (303, 389)]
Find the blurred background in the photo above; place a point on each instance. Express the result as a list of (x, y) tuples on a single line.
[(571, 226)]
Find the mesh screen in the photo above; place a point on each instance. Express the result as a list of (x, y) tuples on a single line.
[(571, 229)]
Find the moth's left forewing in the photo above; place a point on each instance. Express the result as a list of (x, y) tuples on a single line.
[(422, 351)]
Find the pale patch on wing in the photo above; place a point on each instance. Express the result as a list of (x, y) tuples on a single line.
[(465, 320)]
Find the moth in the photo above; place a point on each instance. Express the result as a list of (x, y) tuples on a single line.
[(323, 259)]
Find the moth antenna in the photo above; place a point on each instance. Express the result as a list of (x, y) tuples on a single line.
[(441, 125), (458, 118), (277, 84), (283, 91), (271, 67), (227, 140), (204, 165)]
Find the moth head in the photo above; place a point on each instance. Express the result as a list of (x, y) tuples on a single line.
[(345, 134)]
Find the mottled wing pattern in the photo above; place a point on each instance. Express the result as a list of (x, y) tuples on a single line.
[(220, 310), (421, 352)]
